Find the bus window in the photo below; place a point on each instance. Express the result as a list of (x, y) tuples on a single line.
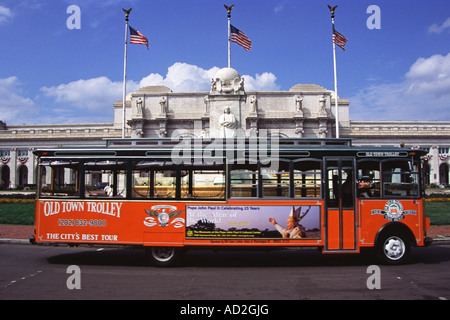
[(275, 183), (106, 178), (369, 179), (141, 182), (203, 183), (348, 188), (340, 182), (154, 179), (59, 178), (307, 179), (244, 181), (400, 179), (165, 182)]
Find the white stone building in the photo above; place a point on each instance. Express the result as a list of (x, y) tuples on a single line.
[(305, 111)]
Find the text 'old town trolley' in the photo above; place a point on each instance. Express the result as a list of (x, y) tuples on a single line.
[(169, 195)]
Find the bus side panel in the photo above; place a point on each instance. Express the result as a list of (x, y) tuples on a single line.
[(376, 213), (333, 230), (80, 221), (348, 229), (109, 222), (164, 239), (37, 216)]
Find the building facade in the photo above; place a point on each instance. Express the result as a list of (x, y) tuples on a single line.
[(227, 110)]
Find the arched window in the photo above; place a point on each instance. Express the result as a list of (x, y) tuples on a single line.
[(443, 174), (23, 175), (5, 175)]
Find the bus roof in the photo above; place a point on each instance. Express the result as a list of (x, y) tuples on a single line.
[(289, 148)]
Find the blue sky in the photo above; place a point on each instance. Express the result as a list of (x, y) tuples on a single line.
[(52, 74)]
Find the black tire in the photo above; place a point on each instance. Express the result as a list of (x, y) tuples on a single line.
[(393, 249), (163, 256)]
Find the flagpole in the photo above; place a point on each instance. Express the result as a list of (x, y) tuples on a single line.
[(124, 93), (332, 9), (229, 33)]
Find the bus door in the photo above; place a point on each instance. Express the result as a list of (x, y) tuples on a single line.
[(340, 212)]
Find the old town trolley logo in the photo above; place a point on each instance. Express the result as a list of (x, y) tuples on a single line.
[(161, 215), (393, 210)]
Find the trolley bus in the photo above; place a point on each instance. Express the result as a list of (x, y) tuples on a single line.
[(173, 195)]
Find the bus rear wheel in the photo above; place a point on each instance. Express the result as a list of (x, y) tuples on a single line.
[(163, 256), (393, 249)]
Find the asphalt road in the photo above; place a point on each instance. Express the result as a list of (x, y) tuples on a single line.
[(41, 272)]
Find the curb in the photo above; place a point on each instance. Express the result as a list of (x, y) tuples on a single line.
[(15, 241), (440, 241)]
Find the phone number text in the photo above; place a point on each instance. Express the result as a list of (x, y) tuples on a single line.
[(82, 223)]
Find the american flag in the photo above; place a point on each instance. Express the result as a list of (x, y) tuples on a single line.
[(240, 38), (138, 38), (339, 39)]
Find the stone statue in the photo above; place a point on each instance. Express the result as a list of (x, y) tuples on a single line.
[(239, 87), (227, 123), (140, 107), (162, 102), (213, 84), (299, 104), (322, 105), (253, 104), (206, 101), (227, 81)]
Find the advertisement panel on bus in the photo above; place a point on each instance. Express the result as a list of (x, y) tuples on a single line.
[(252, 221)]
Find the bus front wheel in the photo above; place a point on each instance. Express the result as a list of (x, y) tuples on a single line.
[(163, 256)]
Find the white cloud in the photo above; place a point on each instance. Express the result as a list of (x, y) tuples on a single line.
[(261, 82), (5, 14), (90, 100), (94, 94), (182, 77), (424, 94), (435, 28), (13, 106), (430, 76), (83, 101)]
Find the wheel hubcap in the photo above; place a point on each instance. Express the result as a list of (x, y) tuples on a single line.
[(394, 248), (163, 254)]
